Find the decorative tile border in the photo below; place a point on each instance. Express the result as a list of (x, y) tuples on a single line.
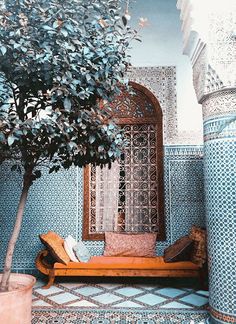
[(220, 128), (226, 318), (184, 150), (95, 316), (219, 103)]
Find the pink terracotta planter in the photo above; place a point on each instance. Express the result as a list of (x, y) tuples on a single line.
[(15, 305)]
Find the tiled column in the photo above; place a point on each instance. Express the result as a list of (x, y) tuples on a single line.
[(220, 195), (209, 32)]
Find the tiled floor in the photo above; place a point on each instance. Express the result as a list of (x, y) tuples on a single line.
[(135, 295)]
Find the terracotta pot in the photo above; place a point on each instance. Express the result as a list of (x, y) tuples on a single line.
[(15, 305)]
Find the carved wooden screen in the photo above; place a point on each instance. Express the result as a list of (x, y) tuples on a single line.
[(140, 172)]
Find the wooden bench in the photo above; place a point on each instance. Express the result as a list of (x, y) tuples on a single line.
[(103, 266)]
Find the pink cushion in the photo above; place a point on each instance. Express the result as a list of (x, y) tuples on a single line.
[(130, 245)]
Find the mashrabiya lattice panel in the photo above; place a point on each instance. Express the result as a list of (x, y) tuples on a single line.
[(138, 201)]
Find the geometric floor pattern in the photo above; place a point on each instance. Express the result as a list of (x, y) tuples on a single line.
[(136, 295), (71, 316)]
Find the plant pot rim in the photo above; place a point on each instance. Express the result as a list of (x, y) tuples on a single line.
[(26, 286)]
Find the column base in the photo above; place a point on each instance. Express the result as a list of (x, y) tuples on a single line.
[(217, 317), (212, 320)]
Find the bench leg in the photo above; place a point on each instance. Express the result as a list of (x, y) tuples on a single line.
[(51, 278)]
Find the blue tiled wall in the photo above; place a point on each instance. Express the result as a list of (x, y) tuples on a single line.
[(55, 203), (220, 184)]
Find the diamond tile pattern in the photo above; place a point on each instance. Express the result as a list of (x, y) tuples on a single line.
[(107, 298), (40, 303), (128, 291), (83, 303), (194, 300), (127, 304), (170, 292), (50, 291), (63, 298), (151, 299), (119, 295), (88, 291), (175, 304)]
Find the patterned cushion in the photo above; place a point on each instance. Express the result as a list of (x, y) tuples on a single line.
[(130, 244), (199, 254), (54, 243), (179, 251), (81, 252), (69, 243)]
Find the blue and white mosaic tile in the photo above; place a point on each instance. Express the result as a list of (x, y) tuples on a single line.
[(56, 203), (220, 184)]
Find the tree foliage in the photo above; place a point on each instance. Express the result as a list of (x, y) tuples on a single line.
[(58, 60)]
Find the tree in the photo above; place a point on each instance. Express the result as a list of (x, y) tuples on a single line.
[(58, 61)]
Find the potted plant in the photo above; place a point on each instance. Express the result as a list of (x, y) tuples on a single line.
[(58, 60)]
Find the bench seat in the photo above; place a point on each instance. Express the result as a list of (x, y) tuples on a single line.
[(103, 262), (117, 267)]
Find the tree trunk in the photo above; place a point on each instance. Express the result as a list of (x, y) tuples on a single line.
[(16, 231)]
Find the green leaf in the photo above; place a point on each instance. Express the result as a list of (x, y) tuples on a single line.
[(2, 137), (92, 139), (11, 139), (61, 65), (101, 148), (56, 23), (67, 104), (64, 32), (3, 50), (46, 27), (110, 153)]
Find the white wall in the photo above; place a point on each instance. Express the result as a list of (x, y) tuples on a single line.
[(162, 45)]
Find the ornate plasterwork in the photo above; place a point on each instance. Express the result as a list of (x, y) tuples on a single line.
[(199, 74), (222, 45), (205, 79), (193, 16), (219, 103), (184, 150), (210, 42), (213, 81), (161, 81), (186, 137)]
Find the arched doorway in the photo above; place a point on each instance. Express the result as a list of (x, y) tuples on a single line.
[(129, 197)]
